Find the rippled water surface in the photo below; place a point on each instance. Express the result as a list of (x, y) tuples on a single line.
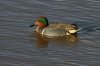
[(21, 46)]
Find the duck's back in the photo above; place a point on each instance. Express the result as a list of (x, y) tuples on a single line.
[(57, 25)]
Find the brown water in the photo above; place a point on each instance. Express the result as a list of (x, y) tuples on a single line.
[(20, 46)]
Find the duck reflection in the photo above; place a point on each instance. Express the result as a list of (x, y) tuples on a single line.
[(43, 41), (72, 38)]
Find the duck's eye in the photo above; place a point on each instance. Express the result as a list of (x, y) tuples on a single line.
[(40, 20)]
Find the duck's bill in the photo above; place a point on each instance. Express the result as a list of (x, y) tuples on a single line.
[(32, 25)]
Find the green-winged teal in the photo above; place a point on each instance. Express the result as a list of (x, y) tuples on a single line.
[(56, 29)]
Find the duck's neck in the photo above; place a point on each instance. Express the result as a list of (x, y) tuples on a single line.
[(39, 29)]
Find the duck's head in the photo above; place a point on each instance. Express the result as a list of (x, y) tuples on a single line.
[(41, 22)]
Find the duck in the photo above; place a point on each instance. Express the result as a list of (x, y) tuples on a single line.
[(55, 29)]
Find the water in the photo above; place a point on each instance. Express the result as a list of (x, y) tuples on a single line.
[(19, 46)]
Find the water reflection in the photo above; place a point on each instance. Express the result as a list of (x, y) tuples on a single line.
[(43, 41)]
